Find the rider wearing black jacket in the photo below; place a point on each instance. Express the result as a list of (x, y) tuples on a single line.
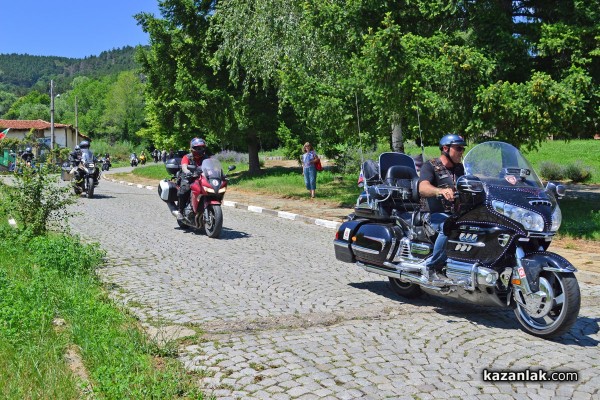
[(27, 156), (436, 188)]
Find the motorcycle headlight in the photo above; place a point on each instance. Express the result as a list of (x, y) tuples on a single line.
[(91, 165), (530, 220), (556, 219)]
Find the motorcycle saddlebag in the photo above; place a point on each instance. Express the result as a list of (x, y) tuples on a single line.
[(167, 190), (376, 243), (343, 240)]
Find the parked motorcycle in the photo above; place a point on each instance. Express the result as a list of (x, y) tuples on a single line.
[(133, 160), (207, 190), (499, 233), (85, 173)]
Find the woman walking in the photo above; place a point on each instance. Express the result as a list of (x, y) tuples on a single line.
[(309, 158)]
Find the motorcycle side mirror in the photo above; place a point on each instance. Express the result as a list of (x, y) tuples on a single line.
[(558, 189), (469, 184), (231, 168)]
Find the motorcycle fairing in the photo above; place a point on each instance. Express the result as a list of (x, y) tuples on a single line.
[(533, 199), (479, 242)]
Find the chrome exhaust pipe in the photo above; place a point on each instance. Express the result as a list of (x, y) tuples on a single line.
[(401, 275)]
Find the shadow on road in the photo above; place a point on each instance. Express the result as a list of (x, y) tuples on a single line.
[(492, 317), (226, 233)]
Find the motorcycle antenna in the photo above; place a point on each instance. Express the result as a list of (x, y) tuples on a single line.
[(362, 156), (420, 132)]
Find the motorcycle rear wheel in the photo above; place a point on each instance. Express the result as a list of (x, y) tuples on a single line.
[(405, 289), (214, 223), (563, 291), (90, 188)]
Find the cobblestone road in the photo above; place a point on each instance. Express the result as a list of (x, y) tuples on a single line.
[(282, 319)]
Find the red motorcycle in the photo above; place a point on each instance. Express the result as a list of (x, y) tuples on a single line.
[(207, 190)]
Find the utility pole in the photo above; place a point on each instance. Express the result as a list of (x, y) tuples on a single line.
[(51, 116), (76, 124)]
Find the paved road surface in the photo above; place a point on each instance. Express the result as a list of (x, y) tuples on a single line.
[(282, 319)]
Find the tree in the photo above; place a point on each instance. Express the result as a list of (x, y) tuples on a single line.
[(124, 115)]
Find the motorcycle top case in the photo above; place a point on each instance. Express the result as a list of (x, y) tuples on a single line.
[(167, 190), (173, 166)]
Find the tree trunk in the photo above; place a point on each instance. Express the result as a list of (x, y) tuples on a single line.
[(253, 160), (397, 137)]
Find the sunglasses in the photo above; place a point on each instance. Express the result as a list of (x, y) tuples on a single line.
[(198, 148), (458, 148)]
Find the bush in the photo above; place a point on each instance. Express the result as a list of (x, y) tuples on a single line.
[(36, 199), (234, 157), (578, 172), (551, 171)]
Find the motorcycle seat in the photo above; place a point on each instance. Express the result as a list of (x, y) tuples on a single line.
[(406, 178)]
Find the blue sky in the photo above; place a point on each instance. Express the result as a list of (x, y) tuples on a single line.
[(71, 28)]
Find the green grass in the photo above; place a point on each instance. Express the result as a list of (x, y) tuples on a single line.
[(50, 277), (581, 218), (563, 153)]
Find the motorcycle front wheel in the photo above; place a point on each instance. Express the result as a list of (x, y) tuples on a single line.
[(90, 187), (213, 222), (563, 300)]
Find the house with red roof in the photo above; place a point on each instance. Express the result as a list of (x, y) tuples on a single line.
[(64, 135)]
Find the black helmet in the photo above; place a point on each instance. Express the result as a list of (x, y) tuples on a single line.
[(84, 144), (452, 139), (27, 149)]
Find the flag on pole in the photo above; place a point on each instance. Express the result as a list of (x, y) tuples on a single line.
[(4, 133), (361, 179)]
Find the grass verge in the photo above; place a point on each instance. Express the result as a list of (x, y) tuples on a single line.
[(50, 303)]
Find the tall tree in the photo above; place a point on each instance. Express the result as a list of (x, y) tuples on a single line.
[(124, 115)]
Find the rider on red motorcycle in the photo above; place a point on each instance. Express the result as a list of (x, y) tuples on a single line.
[(195, 158)]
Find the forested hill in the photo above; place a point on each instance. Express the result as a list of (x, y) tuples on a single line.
[(20, 73)]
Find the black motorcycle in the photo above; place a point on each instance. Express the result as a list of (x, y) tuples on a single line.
[(86, 174), (133, 160), (106, 164), (498, 235)]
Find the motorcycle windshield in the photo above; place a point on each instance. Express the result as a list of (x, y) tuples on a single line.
[(500, 164), (87, 156), (211, 168)]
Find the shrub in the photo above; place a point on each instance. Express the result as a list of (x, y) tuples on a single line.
[(578, 172), (36, 199), (229, 156), (551, 171)]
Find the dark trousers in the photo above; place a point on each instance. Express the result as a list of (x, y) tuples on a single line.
[(183, 195)]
